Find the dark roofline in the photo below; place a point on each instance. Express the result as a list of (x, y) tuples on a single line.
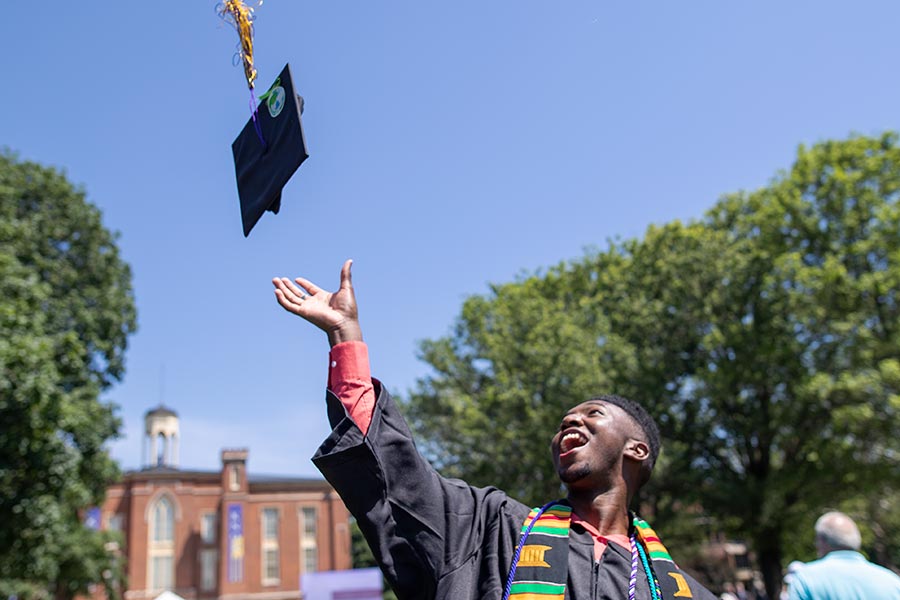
[(155, 473), (297, 484), (256, 483), (260, 478), (287, 483), (162, 411)]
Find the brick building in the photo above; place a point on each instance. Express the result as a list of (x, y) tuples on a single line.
[(223, 534)]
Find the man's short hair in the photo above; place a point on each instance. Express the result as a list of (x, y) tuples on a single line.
[(645, 422), (838, 531)]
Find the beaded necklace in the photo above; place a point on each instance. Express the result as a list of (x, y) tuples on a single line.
[(652, 581)]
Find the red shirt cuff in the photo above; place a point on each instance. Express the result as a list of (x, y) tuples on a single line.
[(350, 379)]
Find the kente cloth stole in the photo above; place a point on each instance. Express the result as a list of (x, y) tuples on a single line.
[(542, 558)]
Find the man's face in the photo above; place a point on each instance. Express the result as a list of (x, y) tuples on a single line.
[(588, 446)]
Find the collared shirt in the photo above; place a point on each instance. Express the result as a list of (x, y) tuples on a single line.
[(844, 575), (601, 541)]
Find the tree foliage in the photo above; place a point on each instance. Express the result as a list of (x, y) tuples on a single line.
[(765, 338), (66, 310)]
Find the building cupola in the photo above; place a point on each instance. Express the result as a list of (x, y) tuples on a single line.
[(161, 438)]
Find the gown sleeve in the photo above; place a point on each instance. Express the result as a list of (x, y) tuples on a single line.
[(420, 526)]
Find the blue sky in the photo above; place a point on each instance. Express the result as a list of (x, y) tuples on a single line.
[(452, 145)]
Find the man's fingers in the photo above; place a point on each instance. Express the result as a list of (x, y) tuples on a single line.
[(285, 303), (346, 279), (286, 297), (308, 285), (291, 292), (299, 291)]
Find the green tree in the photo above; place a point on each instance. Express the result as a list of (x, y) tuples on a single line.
[(802, 357), (66, 310), (764, 338)]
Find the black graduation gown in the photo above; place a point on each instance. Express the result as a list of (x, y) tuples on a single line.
[(439, 538)]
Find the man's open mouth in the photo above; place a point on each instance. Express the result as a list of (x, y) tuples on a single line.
[(570, 441)]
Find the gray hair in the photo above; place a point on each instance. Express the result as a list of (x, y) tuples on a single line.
[(837, 531)]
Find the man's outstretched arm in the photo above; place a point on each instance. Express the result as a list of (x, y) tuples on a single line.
[(335, 313), (349, 376)]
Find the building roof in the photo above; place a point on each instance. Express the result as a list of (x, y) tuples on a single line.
[(161, 411), (256, 483), (271, 483), (166, 472), (253, 478)]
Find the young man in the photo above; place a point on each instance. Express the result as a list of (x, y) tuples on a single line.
[(440, 538)]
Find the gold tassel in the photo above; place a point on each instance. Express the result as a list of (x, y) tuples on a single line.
[(241, 16)]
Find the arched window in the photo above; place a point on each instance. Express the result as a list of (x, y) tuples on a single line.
[(163, 520), (161, 550)]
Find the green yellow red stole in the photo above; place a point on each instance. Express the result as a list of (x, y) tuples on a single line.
[(540, 563)]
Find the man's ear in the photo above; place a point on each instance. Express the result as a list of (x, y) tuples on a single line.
[(637, 450)]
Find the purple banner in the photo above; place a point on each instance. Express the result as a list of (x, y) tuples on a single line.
[(235, 543), (355, 584), (92, 518)]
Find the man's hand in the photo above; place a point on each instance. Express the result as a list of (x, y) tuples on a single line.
[(334, 313)]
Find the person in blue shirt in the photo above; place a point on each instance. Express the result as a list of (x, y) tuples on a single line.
[(842, 573)]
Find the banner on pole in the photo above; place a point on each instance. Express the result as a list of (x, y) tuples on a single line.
[(235, 543)]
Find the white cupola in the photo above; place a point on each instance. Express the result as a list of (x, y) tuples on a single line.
[(161, 438)]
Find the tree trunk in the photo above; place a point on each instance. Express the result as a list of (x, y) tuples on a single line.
[(61, 592), (768, 547)]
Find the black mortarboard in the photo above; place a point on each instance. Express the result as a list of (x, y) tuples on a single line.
[(267, 153)]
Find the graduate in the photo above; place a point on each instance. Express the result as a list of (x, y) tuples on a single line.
[(438, 538)]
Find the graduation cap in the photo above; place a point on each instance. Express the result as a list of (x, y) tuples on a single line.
[(268, 150)]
